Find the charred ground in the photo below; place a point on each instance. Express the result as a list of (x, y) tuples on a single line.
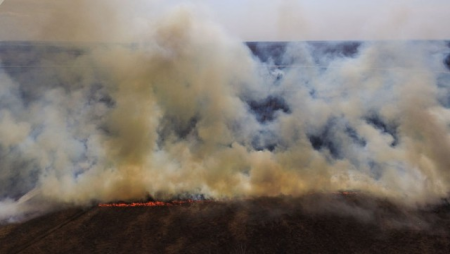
[(315, 223)]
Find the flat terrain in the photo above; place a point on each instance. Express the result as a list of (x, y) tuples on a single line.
[(334, 223)]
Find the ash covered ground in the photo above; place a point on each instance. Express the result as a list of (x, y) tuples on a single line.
[(315, 223)]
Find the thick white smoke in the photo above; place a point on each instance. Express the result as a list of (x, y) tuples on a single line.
[(188, 110)]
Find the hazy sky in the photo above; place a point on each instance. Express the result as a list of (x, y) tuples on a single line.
[(263, 19)]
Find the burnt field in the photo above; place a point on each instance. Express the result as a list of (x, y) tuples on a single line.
[(316, 223)]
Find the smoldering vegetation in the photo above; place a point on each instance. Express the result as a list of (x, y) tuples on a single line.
[(188, 110), (316, 223)]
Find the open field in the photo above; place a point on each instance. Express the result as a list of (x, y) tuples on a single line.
[(333, 223)]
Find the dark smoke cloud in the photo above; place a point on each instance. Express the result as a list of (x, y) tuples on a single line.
[(189, 110)]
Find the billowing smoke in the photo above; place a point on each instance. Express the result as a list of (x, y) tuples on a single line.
[(188, 110)]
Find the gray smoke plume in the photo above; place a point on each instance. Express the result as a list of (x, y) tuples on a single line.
[(189, 110)]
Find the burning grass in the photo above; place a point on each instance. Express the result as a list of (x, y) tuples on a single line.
[(153, 203), (317, 223)]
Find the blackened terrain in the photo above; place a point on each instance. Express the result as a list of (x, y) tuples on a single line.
[(334, 223)]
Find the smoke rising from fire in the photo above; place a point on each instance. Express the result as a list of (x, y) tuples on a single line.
[(189, 110)]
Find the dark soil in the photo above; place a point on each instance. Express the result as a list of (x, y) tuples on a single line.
[(313, 224)]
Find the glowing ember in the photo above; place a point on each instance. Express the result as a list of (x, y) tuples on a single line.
[(154, 203), (346, 193)]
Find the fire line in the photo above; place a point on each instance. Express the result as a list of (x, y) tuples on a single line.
[(153, 203)]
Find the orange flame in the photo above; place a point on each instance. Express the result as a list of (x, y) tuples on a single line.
[(153, 203), (347, 193)]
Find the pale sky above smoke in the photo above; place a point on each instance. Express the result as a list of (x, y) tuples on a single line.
[(257, 20)]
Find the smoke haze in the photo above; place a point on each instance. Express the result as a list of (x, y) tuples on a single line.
[(188, 110)]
